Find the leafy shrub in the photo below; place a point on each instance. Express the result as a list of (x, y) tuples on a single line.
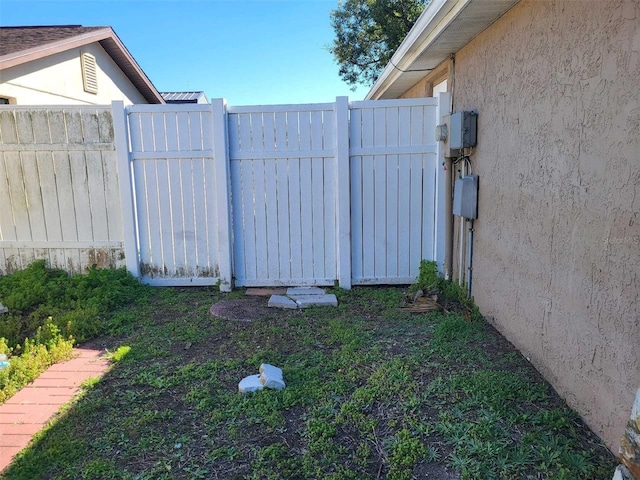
[(430, 280), (31, 358), (78, 305), (49, 311)]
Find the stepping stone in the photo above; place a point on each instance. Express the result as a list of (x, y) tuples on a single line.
[(279, 301), (305, 301), (250, 384), (305, 291), (271, 377)]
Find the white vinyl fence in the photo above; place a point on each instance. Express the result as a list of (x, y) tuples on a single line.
[(257, 196), (176, 198), (57, 183), (394, 167), (283, 190)]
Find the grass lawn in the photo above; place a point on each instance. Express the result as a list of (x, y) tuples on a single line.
[(372, 392)]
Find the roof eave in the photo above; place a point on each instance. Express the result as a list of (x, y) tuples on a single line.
[(442, 29), (109, 42), (119, 53)]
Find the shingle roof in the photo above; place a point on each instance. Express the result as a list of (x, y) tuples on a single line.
[(19, 45), (16, 39)]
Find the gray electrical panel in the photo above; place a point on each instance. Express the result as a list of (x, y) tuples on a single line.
[(464, 129), (465, 197)]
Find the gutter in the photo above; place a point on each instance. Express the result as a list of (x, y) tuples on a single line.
[(438, 15)]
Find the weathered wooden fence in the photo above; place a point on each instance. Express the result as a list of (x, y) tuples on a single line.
[(278, 195), (57, 183)]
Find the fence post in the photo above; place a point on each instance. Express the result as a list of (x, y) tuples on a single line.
[(125, 179), (223, 192), (442, 202), (343, 192)]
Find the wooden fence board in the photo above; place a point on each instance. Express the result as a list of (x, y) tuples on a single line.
[(97, 195), (8, 130), (295, 219), (190, 220), (15, 176), (64, 187), (272, 220)]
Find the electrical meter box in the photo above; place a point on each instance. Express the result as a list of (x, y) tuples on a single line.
[(465, 197), (463, 130)]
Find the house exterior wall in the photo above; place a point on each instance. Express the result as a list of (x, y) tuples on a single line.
[(57, 80), (557, 242)]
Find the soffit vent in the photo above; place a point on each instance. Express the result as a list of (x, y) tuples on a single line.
[(89, 73)]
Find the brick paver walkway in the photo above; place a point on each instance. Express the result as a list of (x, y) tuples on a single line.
[(27, 411)]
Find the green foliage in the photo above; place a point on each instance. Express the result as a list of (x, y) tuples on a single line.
[(31, 358), (430, 280), (78, 305), (367, 34), (428, 277), (120, 353), (366, 397), (50, 311), (406, 451)]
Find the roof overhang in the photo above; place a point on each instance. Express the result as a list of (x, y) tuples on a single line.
[(109, 41), (442, 29)]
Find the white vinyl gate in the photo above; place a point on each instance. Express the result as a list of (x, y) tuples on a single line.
[(393, 165), (282, 195), (176, 198)]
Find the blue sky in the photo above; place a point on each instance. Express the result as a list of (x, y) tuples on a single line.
[(250, 52)]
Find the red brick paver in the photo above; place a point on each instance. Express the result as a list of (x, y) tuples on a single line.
[(24, 414)]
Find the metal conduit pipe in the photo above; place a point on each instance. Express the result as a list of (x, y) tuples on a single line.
[(461, 238), (470, 268), (448, 211), (448, 221)]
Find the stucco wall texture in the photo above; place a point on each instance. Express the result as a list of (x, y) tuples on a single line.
[(557, 242)]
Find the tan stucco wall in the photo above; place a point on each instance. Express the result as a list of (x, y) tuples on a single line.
[(557, 245), (57, 80)]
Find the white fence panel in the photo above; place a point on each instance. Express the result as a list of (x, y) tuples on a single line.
[(394, 160), (283, 194), (57, 178), (175, 194), (288, 194)]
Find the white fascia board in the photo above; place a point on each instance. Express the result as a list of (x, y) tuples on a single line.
[(436, 18), (41, 51)]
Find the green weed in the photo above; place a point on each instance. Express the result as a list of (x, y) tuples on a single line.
[(370, 394)]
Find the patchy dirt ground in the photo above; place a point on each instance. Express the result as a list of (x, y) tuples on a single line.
[(372, 392), (246, 309)]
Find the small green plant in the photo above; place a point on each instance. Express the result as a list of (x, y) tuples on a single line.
[(428, 277), (118, 355), (79, 305), (406, 451), (50, 311), (30, 359), (430, 281)]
